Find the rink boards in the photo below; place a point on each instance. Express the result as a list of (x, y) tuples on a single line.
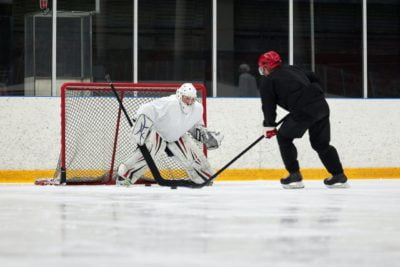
[(364, 131)]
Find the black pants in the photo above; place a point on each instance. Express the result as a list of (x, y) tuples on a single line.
[(320, 135)]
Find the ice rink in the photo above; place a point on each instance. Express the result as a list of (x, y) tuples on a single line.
[(229, 224)]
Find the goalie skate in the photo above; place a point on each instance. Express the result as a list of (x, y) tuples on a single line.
[(121, 181)]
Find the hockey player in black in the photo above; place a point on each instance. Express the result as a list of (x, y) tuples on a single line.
[(300, 93)]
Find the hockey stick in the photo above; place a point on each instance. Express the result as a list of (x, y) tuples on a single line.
[(209, 180), (145, 152)]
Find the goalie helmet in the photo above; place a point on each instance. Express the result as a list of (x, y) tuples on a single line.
[(186, 90), (269, 61)]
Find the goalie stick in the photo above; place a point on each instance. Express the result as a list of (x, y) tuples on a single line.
[(145, 152)]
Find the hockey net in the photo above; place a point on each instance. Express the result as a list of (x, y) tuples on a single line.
[(95, 135)]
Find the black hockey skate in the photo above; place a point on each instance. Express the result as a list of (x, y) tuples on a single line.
[(336, 181), (293, 181)]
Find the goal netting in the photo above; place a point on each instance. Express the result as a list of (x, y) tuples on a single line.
[(95, 135)]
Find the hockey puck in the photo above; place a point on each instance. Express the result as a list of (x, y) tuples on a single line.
[(146, 184), (174, 187)]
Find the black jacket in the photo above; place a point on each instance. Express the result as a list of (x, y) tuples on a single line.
[(296, 91)]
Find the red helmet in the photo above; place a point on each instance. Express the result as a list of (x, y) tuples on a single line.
[(270, 60)]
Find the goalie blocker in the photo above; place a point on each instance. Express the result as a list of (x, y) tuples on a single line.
[(141, 130)]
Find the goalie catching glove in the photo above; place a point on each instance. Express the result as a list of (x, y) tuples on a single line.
[(141, 129), (211, 139)]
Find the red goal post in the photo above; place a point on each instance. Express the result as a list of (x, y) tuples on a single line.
[(95, 136)]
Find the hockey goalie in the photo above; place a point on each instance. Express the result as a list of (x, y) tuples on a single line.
[(162, 125)]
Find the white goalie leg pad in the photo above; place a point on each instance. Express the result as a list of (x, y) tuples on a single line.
[(135, 166), (132, 169), (141, 130), (155, 144), (192, 158)]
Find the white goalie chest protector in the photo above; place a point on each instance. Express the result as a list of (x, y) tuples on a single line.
[(168, 119)]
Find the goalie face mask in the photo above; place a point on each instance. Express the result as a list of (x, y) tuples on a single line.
[(186, 95)]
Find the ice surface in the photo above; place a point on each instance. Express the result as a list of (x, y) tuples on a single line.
[(228, 224)]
